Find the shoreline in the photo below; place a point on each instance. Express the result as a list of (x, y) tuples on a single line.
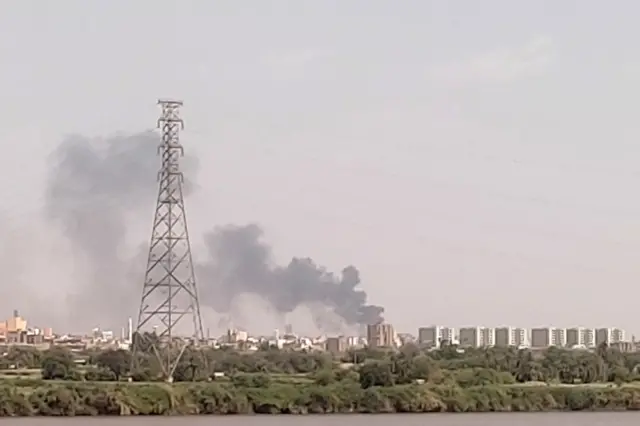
[(41, 398)]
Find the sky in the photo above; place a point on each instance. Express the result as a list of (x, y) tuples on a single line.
[(477, 161)]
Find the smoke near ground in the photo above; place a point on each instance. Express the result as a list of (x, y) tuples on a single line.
[(241, 262), (98, 186)]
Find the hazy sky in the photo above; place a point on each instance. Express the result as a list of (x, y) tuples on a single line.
[(478, 161)]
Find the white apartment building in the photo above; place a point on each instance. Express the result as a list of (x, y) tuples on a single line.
[(548, 336), (609, 336), (559, 337), (581, 337), (511, 336), (541, 337), (487, 336), (433, 336), (476, 337)]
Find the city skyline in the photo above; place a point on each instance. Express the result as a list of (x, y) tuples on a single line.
[(472, 161)]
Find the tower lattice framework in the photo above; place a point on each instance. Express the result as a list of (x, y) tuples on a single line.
[(169, 292)]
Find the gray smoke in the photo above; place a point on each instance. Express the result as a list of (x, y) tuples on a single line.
[(97, 186), (241, 262)]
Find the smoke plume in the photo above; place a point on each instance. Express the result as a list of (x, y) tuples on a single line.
[(98, 187), (95, 187), (241, 262)]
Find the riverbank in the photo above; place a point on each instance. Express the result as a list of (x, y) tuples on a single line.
[(96, 398)]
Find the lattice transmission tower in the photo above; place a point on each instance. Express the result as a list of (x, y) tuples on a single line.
[(169, 292)]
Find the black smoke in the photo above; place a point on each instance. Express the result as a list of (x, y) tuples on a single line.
[(241, 262), (98, 186)]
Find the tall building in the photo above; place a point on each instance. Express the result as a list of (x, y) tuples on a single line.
[(610, 335), (511, 336), (476, 337), (487, 337), (469, 337), (558, 337), (381, 336), (581, 337), (618, 335), (434, 336), (541, 337), (548, 336)]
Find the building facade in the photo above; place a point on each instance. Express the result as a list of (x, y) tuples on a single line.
[(469, 337), (541, 337), (581, 337), (610, 336), (336, 345), (381, 336), (434, 335), (511, 336), (476, 337), (558, 337)]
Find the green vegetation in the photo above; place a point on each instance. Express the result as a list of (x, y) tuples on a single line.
[(25, 398), (226, 381)]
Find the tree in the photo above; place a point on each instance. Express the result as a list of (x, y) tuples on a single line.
[(117, 361), (423, 367), (376, 373), (58, 365), (324, 377), (24, 357)]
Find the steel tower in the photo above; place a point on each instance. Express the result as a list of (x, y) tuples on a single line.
[(169, 292)]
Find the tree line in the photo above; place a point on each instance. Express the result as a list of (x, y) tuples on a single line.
[(367, 366)]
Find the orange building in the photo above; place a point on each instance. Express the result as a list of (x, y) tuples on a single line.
[(14, 324)]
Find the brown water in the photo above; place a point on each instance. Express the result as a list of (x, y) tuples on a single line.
[(501, 419)]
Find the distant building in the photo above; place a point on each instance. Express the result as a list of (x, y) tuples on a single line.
[(487, 336), (336, 345), (435, 335), (610, 336), (476, 337), (548, 336), (381, 336), (581, 337), (15, 324), (558, 337), (541, 337), (355, 341), (236, 336), (47, 332), (511, 336), (625, 346)]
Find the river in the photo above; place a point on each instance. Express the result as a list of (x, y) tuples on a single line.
[(490, 419)]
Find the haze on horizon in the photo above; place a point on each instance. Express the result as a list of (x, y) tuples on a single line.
[(476, 161)]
